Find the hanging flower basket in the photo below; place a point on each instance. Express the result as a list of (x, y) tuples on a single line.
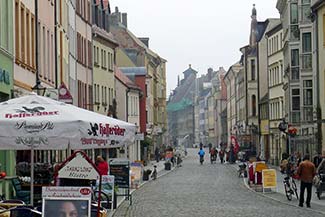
[(292, 131)]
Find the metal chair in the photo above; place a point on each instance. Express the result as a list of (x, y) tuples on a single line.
[(20, 194)]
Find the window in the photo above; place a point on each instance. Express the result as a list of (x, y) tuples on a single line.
[(97, 51), (103, 95), (95, 56), (23, 33), (295, 99), (104, 60), (295, 116), (294, 35), (295, 64), (28, 38), (305, 10), (44, 60), (89, 55), (253, 69), (17, 32), (48, 55), (253, 105), (306, 51), (33, 41), (324, 30), (308, 92)]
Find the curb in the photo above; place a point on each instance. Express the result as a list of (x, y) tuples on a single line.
[(279, 201), (140, 186)]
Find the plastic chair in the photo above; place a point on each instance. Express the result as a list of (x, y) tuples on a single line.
[(20, 194)]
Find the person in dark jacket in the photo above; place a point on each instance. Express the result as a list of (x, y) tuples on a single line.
[(306, 172)]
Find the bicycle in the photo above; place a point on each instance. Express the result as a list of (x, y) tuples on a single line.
[(290, 187)]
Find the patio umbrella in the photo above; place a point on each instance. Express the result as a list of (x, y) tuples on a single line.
[(35, 122)]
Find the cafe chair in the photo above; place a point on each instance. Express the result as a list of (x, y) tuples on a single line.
[(13, 201), (20, 194), (24, 212)]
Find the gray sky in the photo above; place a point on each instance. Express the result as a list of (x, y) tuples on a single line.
[(206, 33)]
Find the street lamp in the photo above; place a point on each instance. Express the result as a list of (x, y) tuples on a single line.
[(38, 88)]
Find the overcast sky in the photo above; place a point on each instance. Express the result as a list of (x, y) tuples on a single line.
[(206, 33)]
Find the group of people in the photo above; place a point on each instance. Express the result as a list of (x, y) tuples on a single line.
[(306, 170), (213, 151)]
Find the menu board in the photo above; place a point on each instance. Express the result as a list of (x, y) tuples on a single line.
[(121, 171)]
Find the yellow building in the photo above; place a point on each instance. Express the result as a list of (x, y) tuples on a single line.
[(103, 70)]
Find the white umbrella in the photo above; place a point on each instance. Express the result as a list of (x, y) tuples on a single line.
[(35, 122)]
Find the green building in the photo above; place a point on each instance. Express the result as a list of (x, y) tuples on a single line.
[(7, 158)]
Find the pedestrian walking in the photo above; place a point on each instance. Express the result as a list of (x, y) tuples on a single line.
[(154, 173), (306, 172), (221, 156), (157, 154)]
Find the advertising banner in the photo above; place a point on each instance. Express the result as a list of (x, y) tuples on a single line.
[(269, 178), (66, 201)]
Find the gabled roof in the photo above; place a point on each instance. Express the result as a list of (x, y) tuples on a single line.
[(120, 28), (103, 34), (134, 70)]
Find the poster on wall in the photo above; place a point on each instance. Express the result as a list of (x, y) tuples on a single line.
[(136, 174), (121, 170), (107, 187)]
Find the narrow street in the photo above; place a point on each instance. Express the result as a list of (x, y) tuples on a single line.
[(204, 190)]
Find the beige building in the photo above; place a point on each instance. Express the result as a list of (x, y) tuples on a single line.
[(128, 97), (25, 50), (318, 8), (137, 49), (236, 105), (276, 144), (84, 79)]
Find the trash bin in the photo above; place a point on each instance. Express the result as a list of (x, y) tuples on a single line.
[(168, 166)]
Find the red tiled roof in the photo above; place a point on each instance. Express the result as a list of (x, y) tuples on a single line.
[(105, 2)]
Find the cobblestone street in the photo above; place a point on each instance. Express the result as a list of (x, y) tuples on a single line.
[(204, 190)]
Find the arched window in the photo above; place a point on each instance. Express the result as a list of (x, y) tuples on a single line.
[(253, 105)]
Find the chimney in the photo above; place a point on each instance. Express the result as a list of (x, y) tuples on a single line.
[(145, 40), (125, 19)]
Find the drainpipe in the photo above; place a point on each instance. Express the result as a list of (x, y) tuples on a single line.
[(127, 104), (56, 45), (258, 98), (318, 108)]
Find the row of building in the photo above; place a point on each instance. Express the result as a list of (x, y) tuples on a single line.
[(80, 52), (271, 101)]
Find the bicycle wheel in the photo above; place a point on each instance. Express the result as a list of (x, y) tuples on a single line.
[(288, 190), (294, 188)]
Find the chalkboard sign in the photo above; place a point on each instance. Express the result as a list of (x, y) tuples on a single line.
[(121, 173)]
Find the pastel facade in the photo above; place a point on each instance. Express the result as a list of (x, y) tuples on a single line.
[(84, 78), (276, 97), (7, 158)]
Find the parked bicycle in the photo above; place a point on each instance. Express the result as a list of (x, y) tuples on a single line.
[(290, 187)]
